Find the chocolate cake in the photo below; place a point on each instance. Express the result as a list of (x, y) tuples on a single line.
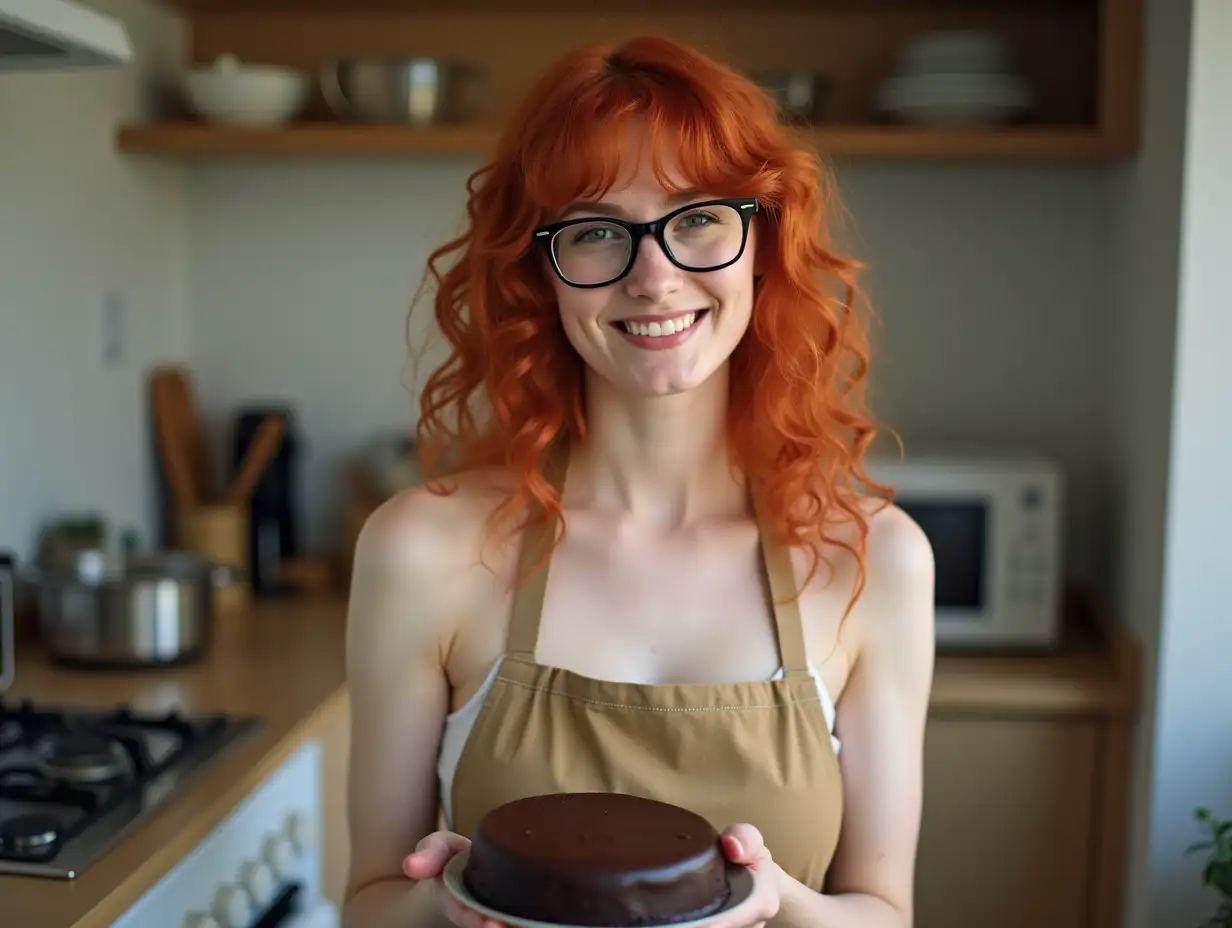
[(597, 859)]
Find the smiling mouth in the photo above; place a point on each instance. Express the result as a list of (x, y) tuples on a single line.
[(660, 329)]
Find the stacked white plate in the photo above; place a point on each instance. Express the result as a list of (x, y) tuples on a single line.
[(955, 78)]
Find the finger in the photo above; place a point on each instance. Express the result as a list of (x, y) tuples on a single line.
[(432, 853), (743, 844)]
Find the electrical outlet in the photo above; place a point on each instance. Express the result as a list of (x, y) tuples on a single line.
[(112, 329)]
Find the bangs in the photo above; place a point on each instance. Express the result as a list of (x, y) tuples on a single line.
[(601, 132)]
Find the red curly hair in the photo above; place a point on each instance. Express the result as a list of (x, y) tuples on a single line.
[(798, 424)]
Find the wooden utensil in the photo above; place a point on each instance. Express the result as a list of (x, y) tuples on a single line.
[(178, 435), (257, 458), (180, 391)]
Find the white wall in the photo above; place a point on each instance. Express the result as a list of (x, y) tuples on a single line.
[(301, 280), (1139, 327), (78, 220), (1193, 717), (987, 281)]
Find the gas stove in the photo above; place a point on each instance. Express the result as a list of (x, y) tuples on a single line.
[(74, 780)]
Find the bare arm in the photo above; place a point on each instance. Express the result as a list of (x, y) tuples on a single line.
[(399, 699), (881, 719)]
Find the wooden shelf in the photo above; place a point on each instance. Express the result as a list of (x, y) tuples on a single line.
[(1035, 142), (352, 7), (1080, 57), (192, 140)]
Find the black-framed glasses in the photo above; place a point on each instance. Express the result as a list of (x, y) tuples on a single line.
[(594, 252)]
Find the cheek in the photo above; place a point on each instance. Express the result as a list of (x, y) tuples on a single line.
[(733, 288), (579, 311)]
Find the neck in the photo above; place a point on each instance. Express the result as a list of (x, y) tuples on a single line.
[(660, 459)]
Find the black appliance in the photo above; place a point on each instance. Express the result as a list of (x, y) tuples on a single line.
[(272, 528)]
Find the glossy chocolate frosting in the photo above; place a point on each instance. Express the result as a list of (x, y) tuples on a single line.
[(597, 859)]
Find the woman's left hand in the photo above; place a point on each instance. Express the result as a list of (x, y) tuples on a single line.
[(743, 844)]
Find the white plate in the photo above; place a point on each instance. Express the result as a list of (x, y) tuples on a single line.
[(741, 892)]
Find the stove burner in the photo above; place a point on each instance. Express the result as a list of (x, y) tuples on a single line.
[(83, 756), (29, 833), (74, 780)]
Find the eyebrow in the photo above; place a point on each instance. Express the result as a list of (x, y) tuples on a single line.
[(614, 209)]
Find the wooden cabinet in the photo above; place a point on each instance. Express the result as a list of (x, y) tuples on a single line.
[(1008, 823), (1026, 787), (1082, 57)]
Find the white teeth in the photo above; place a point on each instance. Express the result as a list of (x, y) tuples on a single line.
[(657, 329)]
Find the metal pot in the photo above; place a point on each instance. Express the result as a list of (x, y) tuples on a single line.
[(154, 609), (418, 91)]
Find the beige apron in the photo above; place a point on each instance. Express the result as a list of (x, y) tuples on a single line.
[(756, 752)]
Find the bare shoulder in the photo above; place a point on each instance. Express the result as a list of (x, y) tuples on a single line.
[(898, 552), (419, 557), (895, 602), (420, 529), (895, 610)]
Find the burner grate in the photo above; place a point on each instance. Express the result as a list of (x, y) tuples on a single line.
[(31, 784), (93, 773)]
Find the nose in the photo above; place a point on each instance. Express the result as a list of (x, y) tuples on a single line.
[(653, 276)]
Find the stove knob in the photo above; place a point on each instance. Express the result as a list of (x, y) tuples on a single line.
[(199, 920), (232, 907), (296, 830), (258, 879), (279, 853)]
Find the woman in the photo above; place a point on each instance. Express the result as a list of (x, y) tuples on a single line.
[(670, 370)]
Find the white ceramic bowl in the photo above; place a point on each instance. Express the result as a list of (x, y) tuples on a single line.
[(955, 99), (245, 94)]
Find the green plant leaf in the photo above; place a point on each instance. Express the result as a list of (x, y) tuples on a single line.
[(1218, 873)]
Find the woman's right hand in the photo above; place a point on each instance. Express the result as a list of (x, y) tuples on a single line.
[(427, 863)]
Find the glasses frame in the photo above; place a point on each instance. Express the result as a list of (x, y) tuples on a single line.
[(745, 207)]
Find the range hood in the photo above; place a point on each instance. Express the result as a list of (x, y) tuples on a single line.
[(54, 35)]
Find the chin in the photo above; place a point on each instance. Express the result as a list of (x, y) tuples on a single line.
[(666, 382)]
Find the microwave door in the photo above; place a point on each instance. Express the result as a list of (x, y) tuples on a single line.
[(958, 530)]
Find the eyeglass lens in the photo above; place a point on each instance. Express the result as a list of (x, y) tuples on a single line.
[(596, 251)]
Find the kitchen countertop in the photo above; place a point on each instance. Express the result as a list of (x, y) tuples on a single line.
[(284, 661)]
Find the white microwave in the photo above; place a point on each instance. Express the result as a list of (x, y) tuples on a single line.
[(995, 525)]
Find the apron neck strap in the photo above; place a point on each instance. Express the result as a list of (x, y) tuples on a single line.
[(777, 574), (780, 582), (536, 541)]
